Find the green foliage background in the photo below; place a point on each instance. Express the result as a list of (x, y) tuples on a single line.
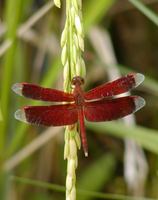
[(30, 51)]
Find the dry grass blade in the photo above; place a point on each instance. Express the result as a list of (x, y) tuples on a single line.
[(3, 48), (31, 148), (24, 28), (35, 18)]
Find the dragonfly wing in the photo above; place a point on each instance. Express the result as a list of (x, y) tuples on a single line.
[(107, 110), (39, 93), (119, 86), (55, 115)]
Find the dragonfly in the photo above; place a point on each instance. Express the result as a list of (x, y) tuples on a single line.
[(99, 104)]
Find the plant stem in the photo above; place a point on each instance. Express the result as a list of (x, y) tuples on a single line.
[(13, 12), (72, 44)]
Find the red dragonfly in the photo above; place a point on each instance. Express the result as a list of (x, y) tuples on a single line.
[(96, 105)]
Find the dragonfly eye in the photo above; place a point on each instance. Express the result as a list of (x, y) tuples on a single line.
[(77, 80)]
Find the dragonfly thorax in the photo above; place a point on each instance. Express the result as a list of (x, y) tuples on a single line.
[(79, 100), (78, 95), (76, 82)]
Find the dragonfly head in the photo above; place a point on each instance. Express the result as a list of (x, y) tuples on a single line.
[(77, 80)]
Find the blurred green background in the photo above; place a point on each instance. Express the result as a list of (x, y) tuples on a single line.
[(120, 37)]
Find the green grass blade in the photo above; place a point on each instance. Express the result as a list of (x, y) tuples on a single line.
[(145, 10), (51, 76), (145, 137), (59, 188), (13, 14), (4, 183), (1, 118), (88, 179), (94, 11)]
